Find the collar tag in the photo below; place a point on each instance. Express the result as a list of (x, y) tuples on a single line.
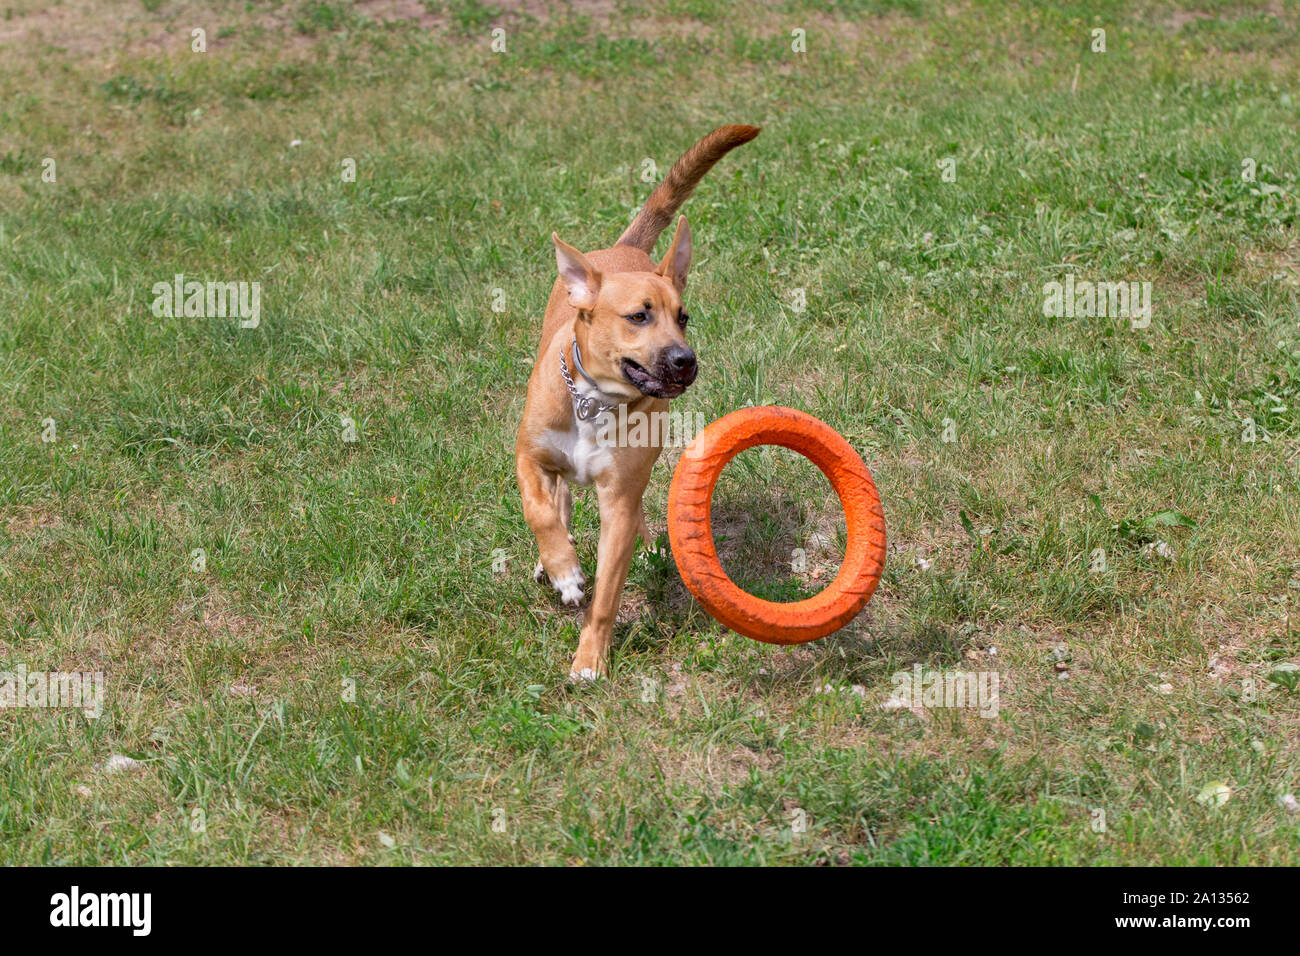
[(588, 408)]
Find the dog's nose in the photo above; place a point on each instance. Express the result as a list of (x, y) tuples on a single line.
[(680, 362)]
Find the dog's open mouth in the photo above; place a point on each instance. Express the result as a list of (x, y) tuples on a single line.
[(648, 384)]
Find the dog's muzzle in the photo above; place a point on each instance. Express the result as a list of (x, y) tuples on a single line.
[(670, 375)]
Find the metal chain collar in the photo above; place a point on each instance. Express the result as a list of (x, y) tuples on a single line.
[(585, 407)]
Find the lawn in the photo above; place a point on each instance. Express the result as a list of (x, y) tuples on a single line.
[(295, 548)]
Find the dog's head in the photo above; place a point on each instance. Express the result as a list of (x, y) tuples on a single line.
[(636, 327)]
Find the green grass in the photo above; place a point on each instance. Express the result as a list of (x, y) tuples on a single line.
[(348, 680)]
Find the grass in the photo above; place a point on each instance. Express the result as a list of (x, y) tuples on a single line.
[(348, 680)]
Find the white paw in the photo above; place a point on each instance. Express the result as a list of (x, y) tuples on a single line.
[(539, 573), (584, 676), (570, 587)]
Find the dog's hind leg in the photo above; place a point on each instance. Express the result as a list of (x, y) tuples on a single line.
[(641, 528), (564, 506)]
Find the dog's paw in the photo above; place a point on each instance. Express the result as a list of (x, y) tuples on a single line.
[(588, 666), (570, 586)]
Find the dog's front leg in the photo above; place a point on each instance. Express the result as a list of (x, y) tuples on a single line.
[(620, 519), (545, 510)]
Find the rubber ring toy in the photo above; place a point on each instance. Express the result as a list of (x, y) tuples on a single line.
[(690, 526)]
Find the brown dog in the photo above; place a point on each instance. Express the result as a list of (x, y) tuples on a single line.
[(614, 335)]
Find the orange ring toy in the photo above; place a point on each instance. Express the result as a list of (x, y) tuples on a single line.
[(690, 526)]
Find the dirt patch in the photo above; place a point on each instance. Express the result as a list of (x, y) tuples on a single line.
[(395, 11), (28, 520), (717, 768), (1281, 265), (1180, 18), (212, 616)]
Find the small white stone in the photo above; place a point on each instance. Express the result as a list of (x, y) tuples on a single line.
[(119, 763), (1289, 803), (1214, 794), (294, 144)]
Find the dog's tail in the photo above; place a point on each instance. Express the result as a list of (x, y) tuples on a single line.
[(680, 182)]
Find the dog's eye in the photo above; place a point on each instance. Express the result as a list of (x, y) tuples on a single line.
[(638, 318), (683, 318)]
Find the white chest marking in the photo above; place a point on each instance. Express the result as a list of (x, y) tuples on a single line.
[(579, 453)]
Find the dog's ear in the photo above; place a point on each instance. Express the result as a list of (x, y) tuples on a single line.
[(678, 259), (578, 275)]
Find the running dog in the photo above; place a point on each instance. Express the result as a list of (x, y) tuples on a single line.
[(614, 335)]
